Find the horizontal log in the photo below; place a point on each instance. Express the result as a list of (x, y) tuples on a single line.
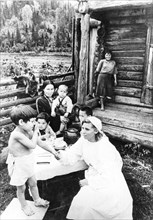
[(12, 93), (128, 28), (52, 77), (129, 75), (118, 4), (126, 35), (130, 101), (132, 53), (128, 20), (5, 113), (18, 102), (130, 60), (128, 46), (130, 83), (124, 91), (125, 13), (126, 67), (136, 41), (132, 121), (5, 121)]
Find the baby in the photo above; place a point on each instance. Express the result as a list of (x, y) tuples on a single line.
[(22, 141), (62, 106)]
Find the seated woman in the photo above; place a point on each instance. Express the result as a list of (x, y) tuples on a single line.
[(104, 193)]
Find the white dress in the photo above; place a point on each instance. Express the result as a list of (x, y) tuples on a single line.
[(107, 195)]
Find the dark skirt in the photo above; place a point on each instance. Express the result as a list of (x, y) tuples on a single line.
[(55, 123), (105, 83)]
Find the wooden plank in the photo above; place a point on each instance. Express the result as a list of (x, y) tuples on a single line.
[(130, 60), (14, 212), (130, 75), (130, 83), (128, 135), (126, 67), (132, 121), (130, 101), (124, 91)]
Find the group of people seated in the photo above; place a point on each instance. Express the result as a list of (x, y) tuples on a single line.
[(103, 193)]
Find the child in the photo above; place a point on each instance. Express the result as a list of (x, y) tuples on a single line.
[(84, 112), (62, 106), (45, 130), (106, 71), (20, 160)]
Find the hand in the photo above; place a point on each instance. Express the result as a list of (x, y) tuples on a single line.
[(66, 114), (83, 182), (53, 114), (96, 73), (57, 155)]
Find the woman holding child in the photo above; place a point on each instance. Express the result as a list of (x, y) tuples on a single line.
[(104, 193)]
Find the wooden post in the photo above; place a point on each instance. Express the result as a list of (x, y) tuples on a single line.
[(77, 44), (147, 90), (84, 53), (94, 25), (73, 41)]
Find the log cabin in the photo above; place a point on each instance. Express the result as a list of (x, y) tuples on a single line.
[(125, 28)]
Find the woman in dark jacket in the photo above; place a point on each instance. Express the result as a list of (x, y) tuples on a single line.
[(44, 103)]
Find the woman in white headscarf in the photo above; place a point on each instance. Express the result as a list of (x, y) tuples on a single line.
[(104, 193)]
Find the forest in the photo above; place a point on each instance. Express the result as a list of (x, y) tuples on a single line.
[(36, 25)]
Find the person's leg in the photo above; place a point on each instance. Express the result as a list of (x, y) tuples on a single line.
[(21, 197), (32, 182), (109, 90), (102, 103)]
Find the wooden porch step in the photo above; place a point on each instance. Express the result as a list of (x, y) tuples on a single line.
[(127, 123), (14, 212)]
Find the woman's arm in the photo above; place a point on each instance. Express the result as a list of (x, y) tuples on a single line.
[(42, 105)]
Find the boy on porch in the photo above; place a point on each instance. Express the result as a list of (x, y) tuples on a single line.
[(106, 71)]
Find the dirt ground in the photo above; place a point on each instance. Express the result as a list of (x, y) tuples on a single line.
[(137, 169)]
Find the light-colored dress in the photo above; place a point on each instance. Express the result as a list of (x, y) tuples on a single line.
[(107, 195)]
